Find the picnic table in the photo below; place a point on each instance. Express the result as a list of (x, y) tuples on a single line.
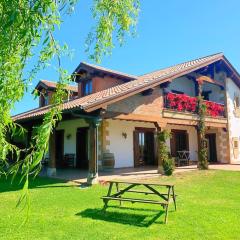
[(152, 188)]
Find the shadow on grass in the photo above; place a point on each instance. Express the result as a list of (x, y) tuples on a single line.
[(124, 217), (6, 184)]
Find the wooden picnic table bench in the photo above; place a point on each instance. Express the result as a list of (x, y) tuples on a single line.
[(153, 188)]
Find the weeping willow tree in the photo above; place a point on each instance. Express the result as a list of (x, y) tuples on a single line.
[(27, 25)]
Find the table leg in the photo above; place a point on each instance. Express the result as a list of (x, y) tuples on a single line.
[(117, 187), (166, 209), (174, 198), (108, 194)]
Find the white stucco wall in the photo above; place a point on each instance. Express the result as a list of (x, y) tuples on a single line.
[(233, 120), (121, 147)]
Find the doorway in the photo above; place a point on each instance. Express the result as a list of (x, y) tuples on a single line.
[(212, 150), (59, 140), (82, 148), (179, 141), (144, 147)]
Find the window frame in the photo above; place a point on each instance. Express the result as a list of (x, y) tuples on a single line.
[(236, 102), (87, 87)]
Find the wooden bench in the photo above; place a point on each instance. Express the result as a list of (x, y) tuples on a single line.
[(153, 188)]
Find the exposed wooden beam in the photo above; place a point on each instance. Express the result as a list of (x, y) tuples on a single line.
[(210, 80), (162, 122), (147, 92), (93, 161)]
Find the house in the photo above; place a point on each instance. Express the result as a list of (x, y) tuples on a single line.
[(114, 112)]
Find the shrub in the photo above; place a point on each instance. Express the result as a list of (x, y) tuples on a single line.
[(164, 157), (168, 166)]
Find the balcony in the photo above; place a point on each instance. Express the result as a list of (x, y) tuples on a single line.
[(186, 104)]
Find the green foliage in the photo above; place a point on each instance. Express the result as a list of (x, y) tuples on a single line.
[(118, 17), (202, 152), (168, 166), (164, 157), (28, 25)]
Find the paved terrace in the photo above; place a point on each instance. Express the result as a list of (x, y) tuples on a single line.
[(80, 176)]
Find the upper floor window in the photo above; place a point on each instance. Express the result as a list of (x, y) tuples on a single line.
[(44, 100), (87, 87), (236, 101)]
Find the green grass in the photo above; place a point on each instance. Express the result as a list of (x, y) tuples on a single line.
[(208, 208)]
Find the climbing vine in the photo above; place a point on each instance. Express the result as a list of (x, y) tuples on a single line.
[(165, 161), (202, 151)]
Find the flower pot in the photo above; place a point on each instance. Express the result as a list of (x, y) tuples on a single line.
[(108, 161)]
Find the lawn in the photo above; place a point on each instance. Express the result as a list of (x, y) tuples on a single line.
[(208, 208)]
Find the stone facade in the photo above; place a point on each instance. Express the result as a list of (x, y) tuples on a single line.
[(139, 104)]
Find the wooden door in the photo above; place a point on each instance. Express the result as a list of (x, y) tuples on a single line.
[(179, 141), (59, 144), (212, 150), (143, 139), (82, 148)]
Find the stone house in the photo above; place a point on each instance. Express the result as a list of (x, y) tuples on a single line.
[(110, 111)]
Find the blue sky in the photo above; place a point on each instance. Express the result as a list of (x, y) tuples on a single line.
[(168, 32)]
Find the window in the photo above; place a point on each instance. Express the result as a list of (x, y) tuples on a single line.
[(235, 147), (87, 87), (44, 100), (235, 144), (179, 141), (236, 102)]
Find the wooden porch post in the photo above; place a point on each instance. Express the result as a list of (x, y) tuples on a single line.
[(159, 126), (93, 161), (51, 170), (199, 92)]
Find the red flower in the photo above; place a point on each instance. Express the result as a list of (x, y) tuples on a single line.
[(214, 109), (183, 102)]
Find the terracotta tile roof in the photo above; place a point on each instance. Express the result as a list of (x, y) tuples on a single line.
[(180, 67), (96, 100), (51, 84)]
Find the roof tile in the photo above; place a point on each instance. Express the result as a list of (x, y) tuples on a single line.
[(131, 87)]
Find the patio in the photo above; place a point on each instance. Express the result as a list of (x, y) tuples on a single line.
[(80, 176)]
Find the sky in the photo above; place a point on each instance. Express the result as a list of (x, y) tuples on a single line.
[(168, 32)]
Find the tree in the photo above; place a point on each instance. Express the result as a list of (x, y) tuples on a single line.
[(26, 25)]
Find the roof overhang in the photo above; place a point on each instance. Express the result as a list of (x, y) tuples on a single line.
[(86, 71), (103, 98)]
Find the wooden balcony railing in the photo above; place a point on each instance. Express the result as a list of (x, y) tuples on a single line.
[(185, 103)]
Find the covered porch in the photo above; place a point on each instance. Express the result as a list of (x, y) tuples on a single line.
[(141, 173), (133, 143)]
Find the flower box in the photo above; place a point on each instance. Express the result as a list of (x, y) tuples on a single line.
[(185, 103)]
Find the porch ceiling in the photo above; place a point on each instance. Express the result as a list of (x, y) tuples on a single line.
[(173, 118)]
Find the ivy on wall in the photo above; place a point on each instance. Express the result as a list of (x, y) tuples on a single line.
[(165, 161), (202, 148)]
